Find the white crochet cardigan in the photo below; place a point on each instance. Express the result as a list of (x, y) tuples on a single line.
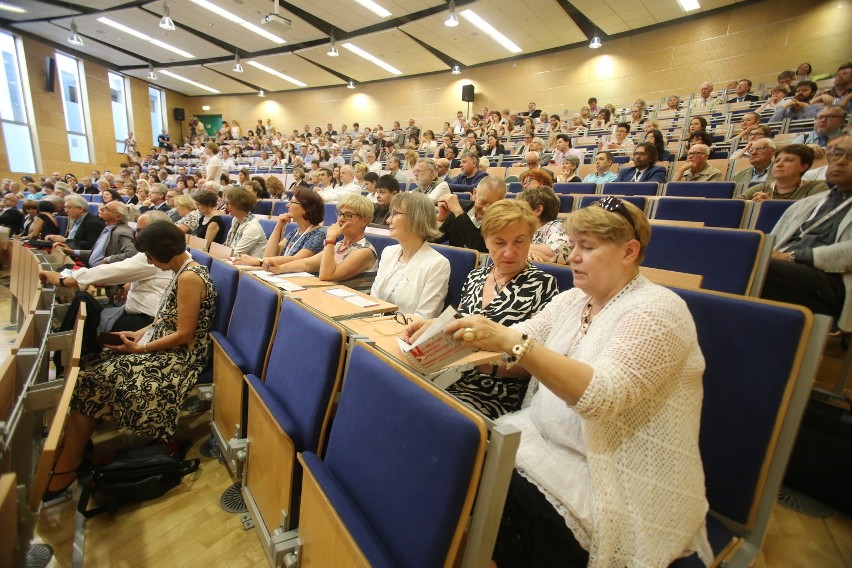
[(633, 436)]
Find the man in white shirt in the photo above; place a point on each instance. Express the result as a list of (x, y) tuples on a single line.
[(336, 158), (394, 170), (228, 162), (372, 163), (426, 173), (704, 101), (347, 178)]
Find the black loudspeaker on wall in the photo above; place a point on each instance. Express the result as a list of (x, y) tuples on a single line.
[(49, 74), (467, 93), (178, 114)]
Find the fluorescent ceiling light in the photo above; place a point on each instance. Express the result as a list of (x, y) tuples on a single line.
[(374, 8), (689, 5), (233, 18), (149, 39), (372, 59), (12, 8), (190, 81), (278, 74), (484, 26)]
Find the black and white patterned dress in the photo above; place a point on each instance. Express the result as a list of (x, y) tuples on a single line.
[(521, 298), (143, 392)]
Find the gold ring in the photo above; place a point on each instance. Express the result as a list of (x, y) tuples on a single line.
[(469, 334)]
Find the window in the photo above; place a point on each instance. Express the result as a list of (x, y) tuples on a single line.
[(13, 107), (158, 118), (121, 117), (74, 103)]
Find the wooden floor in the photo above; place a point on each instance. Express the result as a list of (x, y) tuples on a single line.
[(187, 528)]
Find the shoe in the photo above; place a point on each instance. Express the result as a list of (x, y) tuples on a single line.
[(51, 495)]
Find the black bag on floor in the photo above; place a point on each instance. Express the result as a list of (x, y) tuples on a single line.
[(136, 474)]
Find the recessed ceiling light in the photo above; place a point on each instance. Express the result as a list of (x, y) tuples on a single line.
[(689, 5), (189, 81), (205, 107), (11, 8), (234, 19), (372, 59), (278, 74), (166, 22), (484, 26), (374, 8), (149, 39)]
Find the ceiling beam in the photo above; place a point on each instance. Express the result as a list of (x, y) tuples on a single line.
[(585, 24)]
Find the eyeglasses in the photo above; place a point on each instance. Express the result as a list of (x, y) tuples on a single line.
[(615, 205), (827, 116), (696, 154), (834, 154), (294, 202), (400, 318), (346, 215), (395, 214)]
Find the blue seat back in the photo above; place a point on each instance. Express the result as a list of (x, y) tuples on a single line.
[(404, 458), (227, 221), (726, 258), (462, 261), (750, 349), (330, 216), (203, 259), (262, 207), (636, 200), (717, 189), (564, 275), (566, 203), (768, 213), (268, 226), (94, 209), (726, 213), (252, 323), (279, 207), (62, 221), (514, 187), (584, 188), (631, 188), (225, 278), (302, 380), (97, 198), (380, 242)]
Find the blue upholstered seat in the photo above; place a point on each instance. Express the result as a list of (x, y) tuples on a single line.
[(717, 189), (462, 261), (768, 213), (201, 258), (584, 188), (631, 188), (727, 213), (564, 275)]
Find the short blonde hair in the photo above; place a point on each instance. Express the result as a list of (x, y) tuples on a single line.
[(503, 213), (185, 201), (420, 211), (612, 226), (358, 203)]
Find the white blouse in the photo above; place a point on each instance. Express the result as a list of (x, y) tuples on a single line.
[(418, 287)]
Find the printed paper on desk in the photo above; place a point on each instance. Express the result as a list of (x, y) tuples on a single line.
[(352, 297), (435, 349), (286, 285)]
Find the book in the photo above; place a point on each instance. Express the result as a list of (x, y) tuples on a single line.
[(435, 349)]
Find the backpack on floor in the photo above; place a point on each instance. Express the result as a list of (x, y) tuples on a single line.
[(136, 474)]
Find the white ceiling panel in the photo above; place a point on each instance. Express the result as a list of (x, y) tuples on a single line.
[(532, 26), (186, 13), (617, 16), (34, 10), (286, 63), (391, 46), (348, 15), (195, 73), (59, 35)]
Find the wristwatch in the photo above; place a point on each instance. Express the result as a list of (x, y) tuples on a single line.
[(62, 281)]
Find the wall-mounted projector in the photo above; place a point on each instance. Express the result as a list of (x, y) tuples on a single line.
[(278, 19)]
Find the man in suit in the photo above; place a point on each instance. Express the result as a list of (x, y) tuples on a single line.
[(460, 220), (11, 216), (743, 92), (644, 158), (705, 100), (157, 197), (760, 159), (115, 243), (83, 229)]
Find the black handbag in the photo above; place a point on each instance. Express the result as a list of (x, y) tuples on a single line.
[(136, 474)]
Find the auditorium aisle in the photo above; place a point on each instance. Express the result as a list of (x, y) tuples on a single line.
[(187, 528)]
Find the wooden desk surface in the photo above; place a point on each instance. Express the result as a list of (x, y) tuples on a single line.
[(384, 330), (671, 277), (303, 281), (337, 308)]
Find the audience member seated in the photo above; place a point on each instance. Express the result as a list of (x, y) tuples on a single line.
[(828, 125), (760, 157), (705, 98), (332, 194), (696, 167), (550, 243), (188, 215), (470, 175), (798, 107), (351, 261), (536, 178), (113, 244), (246, 235), (757, 133), (698, 137), (643, 169), (841, 93), (748, 122), (428, 183), (696, 124), (619, 373), (140, 384), (508, 291), (603, 172), (743, 92), (411, 274), (460, 220), (570, 164), (620, 140), (211, 227), (493, 147), (655, 137), (307, 210), (812, 261), (83, 228), (11, 217), (157, 197), (790, 163), (776, 97), (386, 188), (299, 179)]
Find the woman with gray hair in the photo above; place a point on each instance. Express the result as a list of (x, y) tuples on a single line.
[(411, 274), (570, 164)]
